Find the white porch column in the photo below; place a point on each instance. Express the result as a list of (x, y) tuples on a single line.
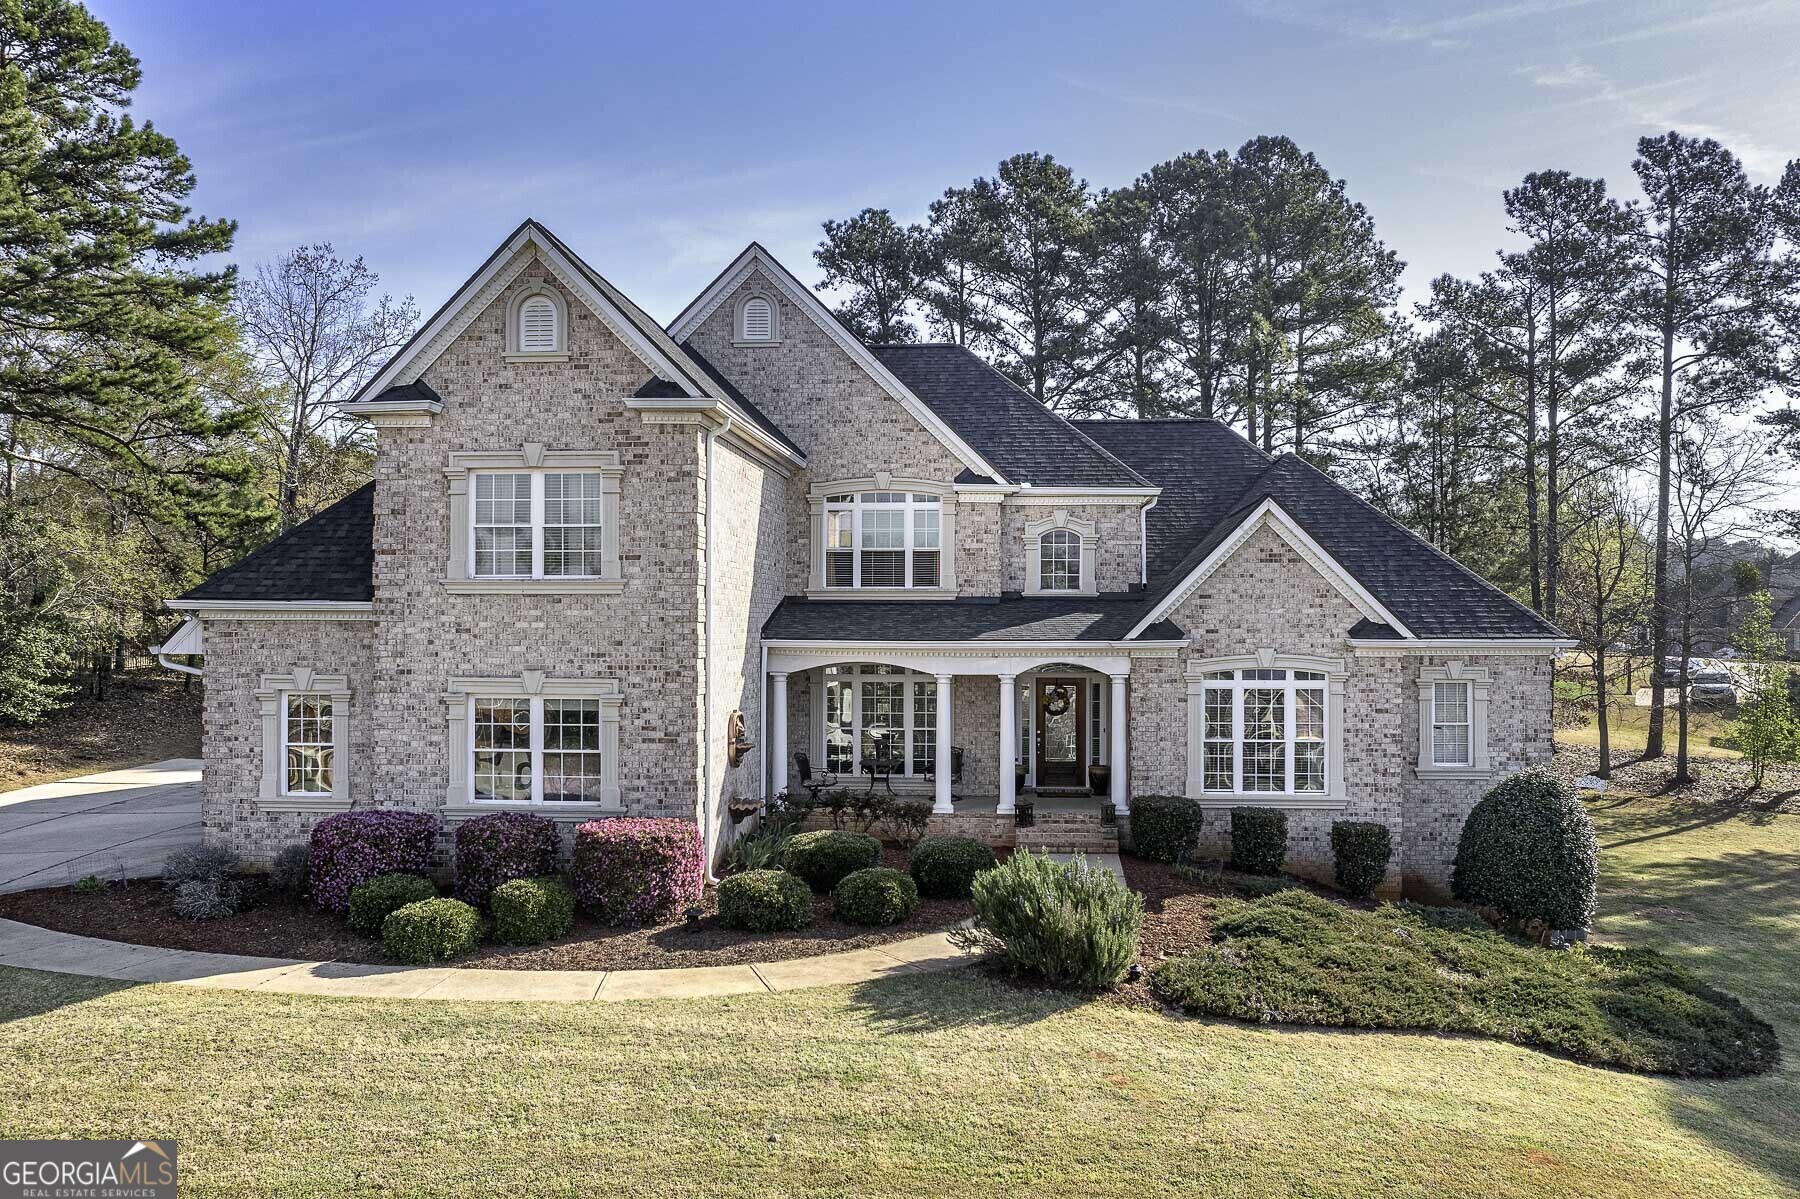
[(778, 733), (1117, 760), (941, 773), (1009, 734)]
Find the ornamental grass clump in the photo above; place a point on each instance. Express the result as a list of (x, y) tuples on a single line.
[(637, 870), (431, 930), (875, 896), (825, 857), (1164, 828), (497, 848), (945, 867), (371, 902), (765, 901), (1075, 924), (353, 847), (530, 911), (1528, 852), (1297, 958)]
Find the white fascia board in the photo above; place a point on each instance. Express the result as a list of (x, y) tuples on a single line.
[(418, 353), (718, 413), (277, 609), (1273, 514), (755, 257)]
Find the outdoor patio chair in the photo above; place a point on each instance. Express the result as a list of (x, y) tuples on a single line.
[(810, 782)]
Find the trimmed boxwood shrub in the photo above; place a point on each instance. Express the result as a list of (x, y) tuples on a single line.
[(763, 901), (430, 930), (498, 848), (876, 895), (637, 870), (353, 847), (1164, 827), (371, 902), (1528, 850), (823, 858), (1360, 851), (945, 867), (1258, 839), (1074, 923), (530, 911)]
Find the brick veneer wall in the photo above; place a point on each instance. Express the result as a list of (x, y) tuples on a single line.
[(1118, 564), (1267, 596), (238, 654)]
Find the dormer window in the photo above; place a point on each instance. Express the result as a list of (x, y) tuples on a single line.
[(537, 327), (1059, 561), (1061, 553), (758, 321)]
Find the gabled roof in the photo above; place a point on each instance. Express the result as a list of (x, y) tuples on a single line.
[(756, 259), (1015, 432), (1202, 466), (1009, 618), (330, 557), (1428, 592), (663, 389), (680, 376)]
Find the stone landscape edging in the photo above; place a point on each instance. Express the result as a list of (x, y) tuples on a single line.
[(31, 947)]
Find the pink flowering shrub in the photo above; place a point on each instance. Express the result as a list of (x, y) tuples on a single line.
[(496, 849), (353, 847), (637, 871)]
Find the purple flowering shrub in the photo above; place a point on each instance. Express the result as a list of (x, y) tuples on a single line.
[(353, 847), (637, 870), (496, 849)]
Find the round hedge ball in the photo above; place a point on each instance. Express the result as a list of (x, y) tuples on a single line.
[(875, 896), (764, 901), (431, 930), (945, 867), (1528, 849), (824, 857)]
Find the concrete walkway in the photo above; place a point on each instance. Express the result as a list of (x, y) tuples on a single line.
[(34, 948), (119, 824)]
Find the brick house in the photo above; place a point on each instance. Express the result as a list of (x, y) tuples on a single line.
[(606, 567)]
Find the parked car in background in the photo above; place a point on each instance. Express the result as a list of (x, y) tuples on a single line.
[(1711, 684)]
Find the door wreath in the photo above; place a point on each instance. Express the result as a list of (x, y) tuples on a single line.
[(1057, 702)]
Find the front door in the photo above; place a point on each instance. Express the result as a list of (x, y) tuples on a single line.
[(1061, 715)]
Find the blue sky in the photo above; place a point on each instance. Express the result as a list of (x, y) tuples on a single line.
[(657, 140)]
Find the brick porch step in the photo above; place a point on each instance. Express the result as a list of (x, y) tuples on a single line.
[(1068, 832)]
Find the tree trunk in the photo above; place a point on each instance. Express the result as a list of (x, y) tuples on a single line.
[(1659, 603), (1532, 513), (1605, 770), (1687, 649)]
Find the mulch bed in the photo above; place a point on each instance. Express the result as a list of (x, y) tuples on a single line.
[(140, 912)]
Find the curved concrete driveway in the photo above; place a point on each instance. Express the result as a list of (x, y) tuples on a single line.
[(119, 824)]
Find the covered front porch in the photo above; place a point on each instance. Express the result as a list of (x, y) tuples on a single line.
[(1046, 725)]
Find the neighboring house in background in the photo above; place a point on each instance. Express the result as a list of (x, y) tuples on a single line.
[(594, 546)]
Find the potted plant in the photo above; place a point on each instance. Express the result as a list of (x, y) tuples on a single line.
[(1024, 814), (1099, 779)]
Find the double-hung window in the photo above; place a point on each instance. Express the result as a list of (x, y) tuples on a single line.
[(538, 524), (309, 743), (1451, 741), (1264, 732), (883, 539)]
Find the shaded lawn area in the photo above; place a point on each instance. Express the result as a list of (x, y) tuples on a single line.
[(145, 717), (948, 1086), (1711, 732)]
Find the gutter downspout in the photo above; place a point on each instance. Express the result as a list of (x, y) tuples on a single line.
[(1144, 540), (164, 659), (706, 807)]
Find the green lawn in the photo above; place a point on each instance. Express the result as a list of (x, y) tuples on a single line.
[(1710, 733), (942, 1086)]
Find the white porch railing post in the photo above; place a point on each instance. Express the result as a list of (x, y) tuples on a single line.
[(1009, 735), (778, 732), (941, 762), (1118, 760)]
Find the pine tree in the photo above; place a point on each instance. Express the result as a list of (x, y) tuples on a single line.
[(884, 264), (1130, 328), (1204, 244)]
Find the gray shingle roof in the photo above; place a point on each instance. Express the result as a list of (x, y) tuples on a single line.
[(1004, 422), (1202, 467), (1010, 618), (330, 557)]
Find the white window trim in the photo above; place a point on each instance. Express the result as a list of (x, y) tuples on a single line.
[(459, 705), (912, 679), (737, 320), (272, 691), (1333, 798), (1455, 671), (514, 343), (1034, 563), (532, 457), (946, 588)]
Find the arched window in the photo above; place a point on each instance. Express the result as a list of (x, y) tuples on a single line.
[(538, 326), (756, 320), (1059, 560)]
